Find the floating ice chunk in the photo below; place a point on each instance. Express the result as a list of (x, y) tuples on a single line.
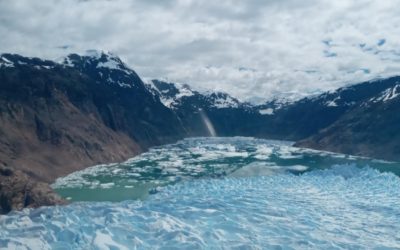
[(199, 158), (107, 185), (300, 168), (257, 169), (263, 152), (286, 152)]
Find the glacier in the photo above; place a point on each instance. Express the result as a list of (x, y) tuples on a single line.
[(226, 193)]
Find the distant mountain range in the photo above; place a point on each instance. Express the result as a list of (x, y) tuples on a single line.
[(58, 117), (367, 122)]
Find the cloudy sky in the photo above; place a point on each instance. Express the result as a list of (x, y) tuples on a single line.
[(254, 49)]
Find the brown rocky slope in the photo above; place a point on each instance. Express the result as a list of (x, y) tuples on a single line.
[(56, 119), (18, 191)]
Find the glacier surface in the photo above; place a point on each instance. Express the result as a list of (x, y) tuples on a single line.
[(340, 208), (221, 193)]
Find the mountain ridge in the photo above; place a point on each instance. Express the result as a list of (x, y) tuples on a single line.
[(58, 119), (370, 129), (91, 109)]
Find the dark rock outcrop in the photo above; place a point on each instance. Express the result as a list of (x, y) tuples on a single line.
[(18, 191)]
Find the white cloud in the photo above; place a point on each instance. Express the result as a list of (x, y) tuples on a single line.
[(253, 49)]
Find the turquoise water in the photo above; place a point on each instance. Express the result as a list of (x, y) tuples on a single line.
[(212, 193), (200, 158)]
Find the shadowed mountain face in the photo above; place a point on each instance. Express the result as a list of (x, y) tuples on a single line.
[(124, 103), (275, 119), (370, 128), (227, 115), (361, 119), (306, 117), (57, 118)]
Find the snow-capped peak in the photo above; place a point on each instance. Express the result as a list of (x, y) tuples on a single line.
[(98, 58), (106, 60), (106, 66), (223, 100), (170, 93), (97, 54), (173, 94), (272, 106)]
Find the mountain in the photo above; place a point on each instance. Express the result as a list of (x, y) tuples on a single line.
[(370, 127), (210, 113), (57, 118), (295, 121), (306, 117), (60, 117), (124, 102)]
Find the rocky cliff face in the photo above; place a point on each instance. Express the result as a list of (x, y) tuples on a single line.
[(57, 118), (18, 191), (123, 101)]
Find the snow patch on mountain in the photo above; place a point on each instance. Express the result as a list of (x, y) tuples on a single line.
[(95, 54), (170, 94), (4, 62), (332, 103), (109, 67), (184, 90), (21, 63), (111, 64), (150, 86), (268, 111), (388, 94), (119, 83), (165, 99), (14, 60), (66, 62), (101, 59), (223, 100), (273, 106)]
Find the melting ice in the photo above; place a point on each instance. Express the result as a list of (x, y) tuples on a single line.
[(227, 193)]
